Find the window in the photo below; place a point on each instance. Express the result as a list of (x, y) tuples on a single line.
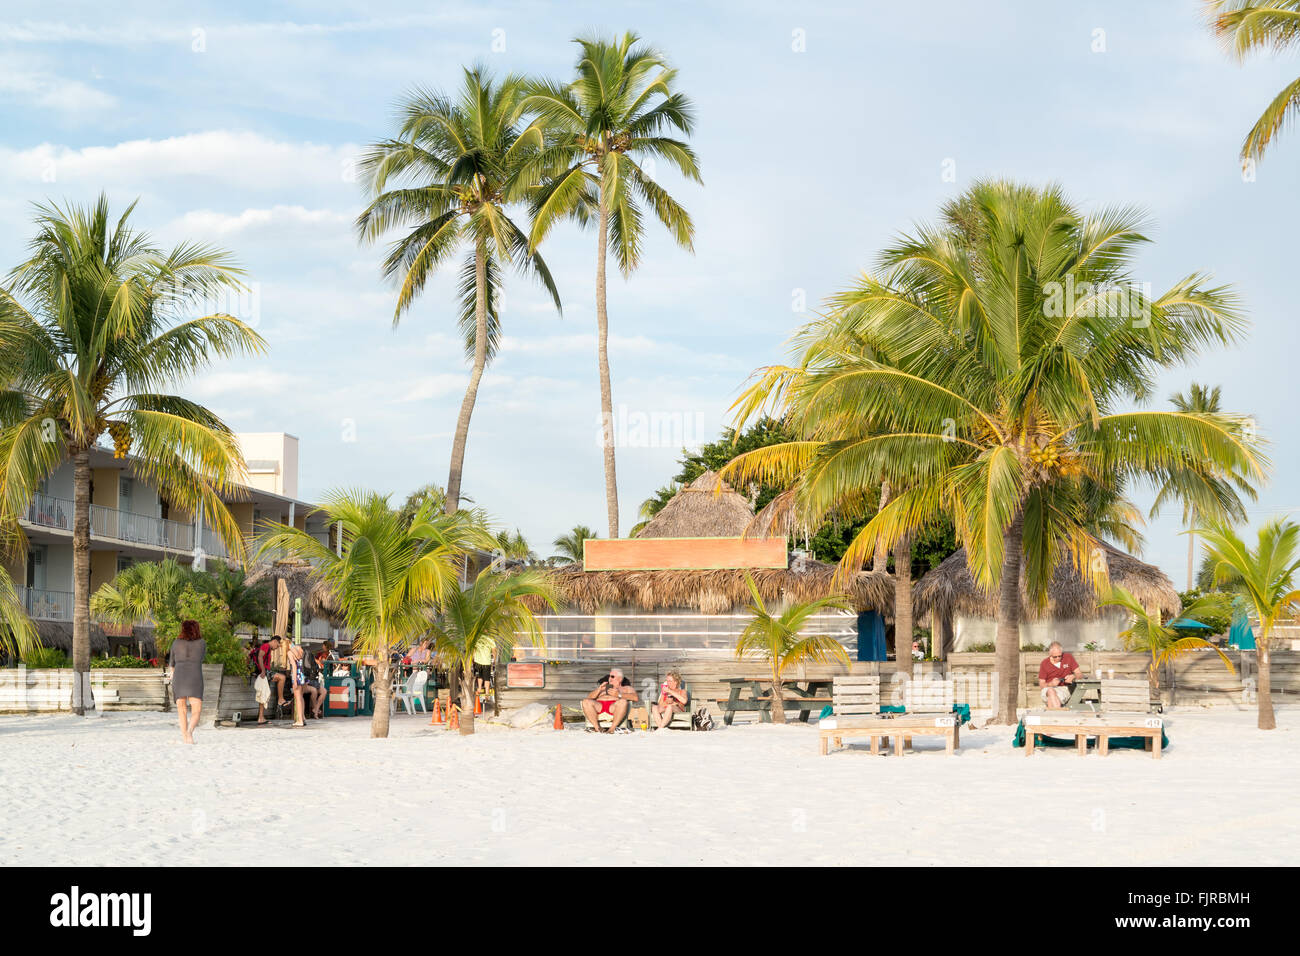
[(124, 561)]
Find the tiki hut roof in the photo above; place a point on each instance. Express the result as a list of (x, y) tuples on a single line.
[(715, 591), (58, 634), (951, 589), (701, 510), (301, 580)]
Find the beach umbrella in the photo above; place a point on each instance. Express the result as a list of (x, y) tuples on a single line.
[(281, 608), (1187, 624)]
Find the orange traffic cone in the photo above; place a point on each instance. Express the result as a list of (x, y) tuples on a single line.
[(453, 718), (478, 704), (559, 718), (437, 710)]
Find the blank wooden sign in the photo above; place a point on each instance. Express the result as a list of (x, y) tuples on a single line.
[(521, 674)]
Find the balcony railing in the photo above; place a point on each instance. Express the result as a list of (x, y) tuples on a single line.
[(50, 512), (46, 605)]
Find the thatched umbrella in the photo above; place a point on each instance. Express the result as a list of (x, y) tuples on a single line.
[(301, 581), (701, 510), (951, 589)]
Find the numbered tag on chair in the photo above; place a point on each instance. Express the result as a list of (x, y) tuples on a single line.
[(1154, 722), (1033, 721), (944, 721)]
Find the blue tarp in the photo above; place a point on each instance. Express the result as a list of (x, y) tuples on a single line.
[(1241, 634), (871, 636)]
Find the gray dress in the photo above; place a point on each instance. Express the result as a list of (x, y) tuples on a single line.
[(186, 657)]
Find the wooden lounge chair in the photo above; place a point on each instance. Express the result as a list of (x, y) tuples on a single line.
[(1127, 695)]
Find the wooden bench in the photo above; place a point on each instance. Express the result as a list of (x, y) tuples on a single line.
[(856, 699), (901, 727), (1081, 726)]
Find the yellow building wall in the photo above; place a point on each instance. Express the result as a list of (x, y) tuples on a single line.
[(105, 482), (103, 568)]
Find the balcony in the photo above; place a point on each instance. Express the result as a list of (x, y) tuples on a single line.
[(42, 604), (46, 511)]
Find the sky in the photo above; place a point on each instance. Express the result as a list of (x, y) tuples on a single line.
[(823, 131)]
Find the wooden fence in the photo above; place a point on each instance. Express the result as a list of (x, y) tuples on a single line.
[(1198, 678)]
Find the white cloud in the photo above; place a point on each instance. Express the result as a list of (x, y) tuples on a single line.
[(208, 222), (48, 91), (219, 157), (435, 386)]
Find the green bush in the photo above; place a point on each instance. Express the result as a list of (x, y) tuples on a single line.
[(213, 617), (122, 660), (988, 647), (46, 657)]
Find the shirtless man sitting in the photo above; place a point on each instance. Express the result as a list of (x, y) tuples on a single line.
[(614, 696)]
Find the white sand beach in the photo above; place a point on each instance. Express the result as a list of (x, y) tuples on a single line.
[(122, 790)]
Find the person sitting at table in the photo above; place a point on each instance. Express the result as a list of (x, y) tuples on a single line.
[(614, 696), (420, 653), (1056, 676), (672, 700)]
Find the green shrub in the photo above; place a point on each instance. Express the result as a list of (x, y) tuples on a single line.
[(988, 647), (46, 657), (1033, 647), (213, 617), (122, 660)]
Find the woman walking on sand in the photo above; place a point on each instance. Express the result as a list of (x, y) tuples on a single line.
[(185, 662)]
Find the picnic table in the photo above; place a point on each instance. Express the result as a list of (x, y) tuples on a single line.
[(755, 694), (1085, 694)]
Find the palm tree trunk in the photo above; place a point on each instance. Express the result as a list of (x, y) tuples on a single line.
[(475, 375), (778, 698), (903, 607), (383, 695), (602, 360), (467, 699), (1264, 692), (1007, 635), (81, 581), (880, 562)]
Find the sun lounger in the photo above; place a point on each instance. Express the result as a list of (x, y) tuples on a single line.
[(1081, 725), (857, 714)]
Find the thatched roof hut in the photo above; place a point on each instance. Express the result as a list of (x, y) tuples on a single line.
[(701, 510), (300, 578), (716, 591), (950, 589)]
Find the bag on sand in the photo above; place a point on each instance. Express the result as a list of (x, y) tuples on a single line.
[(702, 720), (262, 690)]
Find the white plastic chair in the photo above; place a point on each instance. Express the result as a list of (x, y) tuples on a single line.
[(411, 693)]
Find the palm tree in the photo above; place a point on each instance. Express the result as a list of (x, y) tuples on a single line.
[(601, 128), (389, 575), (570, 545), (775, 638), (1245, 26), (986, 373), (514, 547), (1146, 633), (1266, 578), (483, 622), (248, 605), (447, 177), (1203, 494), (147, 591), (96, 325)]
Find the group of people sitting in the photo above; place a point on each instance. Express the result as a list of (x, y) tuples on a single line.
[(615, 696), (293, 675)]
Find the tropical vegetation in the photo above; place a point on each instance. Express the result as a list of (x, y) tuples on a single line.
[(97, 325), (1148, 634), (993, 369), (779, 641), (482, 623), (1268, 26), (1265, 577), (388, 574), (446, 180), (603, 131)]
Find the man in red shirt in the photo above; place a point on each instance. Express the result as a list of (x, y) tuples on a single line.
[(1056, 677)]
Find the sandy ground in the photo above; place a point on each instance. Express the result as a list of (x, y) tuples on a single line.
[(122, 789)]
